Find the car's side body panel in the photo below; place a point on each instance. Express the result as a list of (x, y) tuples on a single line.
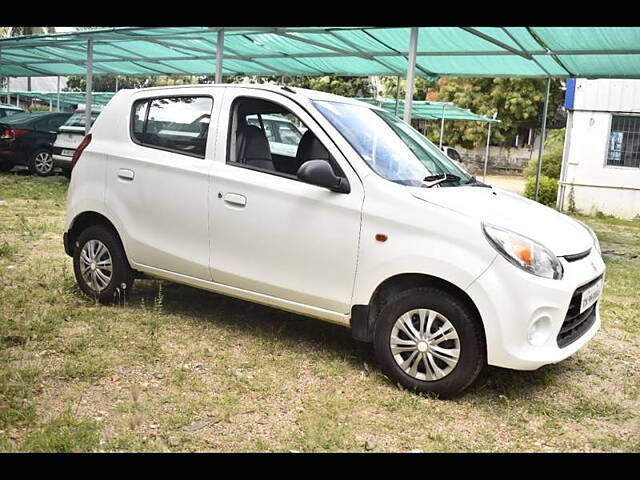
[(291, 240)]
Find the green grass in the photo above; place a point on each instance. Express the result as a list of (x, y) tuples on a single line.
[(178, 369), (64, 433)]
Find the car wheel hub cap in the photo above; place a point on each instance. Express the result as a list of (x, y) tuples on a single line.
[(44, 163), (96, 265), (425, 344)]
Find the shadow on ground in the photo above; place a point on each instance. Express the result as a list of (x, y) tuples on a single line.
[(307, 333)]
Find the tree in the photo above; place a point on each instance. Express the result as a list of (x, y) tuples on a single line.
[(421, 89), (107, 83), (518, 102)]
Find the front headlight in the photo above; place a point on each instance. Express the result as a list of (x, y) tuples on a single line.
[(596, 242), (523, 252)]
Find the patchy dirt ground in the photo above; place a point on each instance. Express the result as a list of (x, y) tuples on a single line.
[(513, 183), (178, 369)]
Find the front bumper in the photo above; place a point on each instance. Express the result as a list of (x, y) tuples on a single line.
[(510, 300)]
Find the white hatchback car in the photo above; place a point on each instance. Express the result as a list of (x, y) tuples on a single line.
[(369, 225)]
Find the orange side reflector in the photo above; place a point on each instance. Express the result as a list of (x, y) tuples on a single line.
[(381, 237)]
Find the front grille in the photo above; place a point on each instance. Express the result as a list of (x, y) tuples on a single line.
[(575, 323)]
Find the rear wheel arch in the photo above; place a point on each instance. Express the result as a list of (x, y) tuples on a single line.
[(85, 220), (363, 317)]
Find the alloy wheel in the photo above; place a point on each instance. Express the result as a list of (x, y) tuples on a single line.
[(43, 163)]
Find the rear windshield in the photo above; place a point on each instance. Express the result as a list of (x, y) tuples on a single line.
[(11, 111), (22, 117), (78, 118)]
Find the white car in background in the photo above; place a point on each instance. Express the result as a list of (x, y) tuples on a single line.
[(7, 110), (283, 135), (453, 154), (70, 134)]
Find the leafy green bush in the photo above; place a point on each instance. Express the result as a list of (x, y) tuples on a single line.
[(551, 158), (550, 172), (38, 108), (547, 191)]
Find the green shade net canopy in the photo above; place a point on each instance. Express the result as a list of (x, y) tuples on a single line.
[(592, 52), (429, 110), (99, 99)]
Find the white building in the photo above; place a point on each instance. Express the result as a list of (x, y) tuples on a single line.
[(601, 161), (38, 84)]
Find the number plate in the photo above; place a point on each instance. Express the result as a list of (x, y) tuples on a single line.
[(67, 153), (590, 296)]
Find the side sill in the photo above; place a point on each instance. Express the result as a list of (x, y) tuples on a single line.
[(248, 295)]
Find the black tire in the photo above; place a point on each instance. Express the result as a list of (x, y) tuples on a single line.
[(472, 355), (122, 276), (5, 166), (35, 161)]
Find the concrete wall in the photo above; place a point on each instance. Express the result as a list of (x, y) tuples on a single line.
[(613, 190)]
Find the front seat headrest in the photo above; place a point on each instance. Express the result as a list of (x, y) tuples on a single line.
[(252, 145), (310, 148)]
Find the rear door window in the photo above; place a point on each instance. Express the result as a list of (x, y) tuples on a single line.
[(177, 124)]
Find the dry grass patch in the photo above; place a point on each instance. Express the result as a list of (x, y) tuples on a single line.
[(173, 368)]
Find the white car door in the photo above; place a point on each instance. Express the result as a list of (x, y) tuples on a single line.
[(158, 185), (275, 235)]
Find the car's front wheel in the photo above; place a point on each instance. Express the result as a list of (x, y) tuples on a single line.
[(430, 341), (41, 163), (100, 265)]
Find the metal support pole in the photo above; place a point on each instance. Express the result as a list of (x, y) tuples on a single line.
[(219, 55), (397, 95), (89, 94), (116, 83), (50, 105), (486, 154), (411, 70), (544, 131), (442, 126), (18, 100), (58, 94)]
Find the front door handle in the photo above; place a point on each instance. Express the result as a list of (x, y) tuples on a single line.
[(126, 174), (235, 199)]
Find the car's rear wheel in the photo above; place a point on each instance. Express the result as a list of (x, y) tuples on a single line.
[(41, 163), (100, 265), (430, 341)]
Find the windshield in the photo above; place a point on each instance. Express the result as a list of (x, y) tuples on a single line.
[(393, 149), (78, 118)]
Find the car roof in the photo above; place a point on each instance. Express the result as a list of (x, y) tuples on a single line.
[(10, 107), (291, 92)]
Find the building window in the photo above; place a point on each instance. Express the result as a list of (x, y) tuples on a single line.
[(624, 141)]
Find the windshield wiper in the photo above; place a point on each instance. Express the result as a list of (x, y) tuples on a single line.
[(476, 183), (433, 180)]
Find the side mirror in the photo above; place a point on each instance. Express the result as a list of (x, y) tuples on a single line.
[(320, 173)]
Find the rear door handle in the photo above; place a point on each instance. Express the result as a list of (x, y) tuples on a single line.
[(235, 199), (126, 174)]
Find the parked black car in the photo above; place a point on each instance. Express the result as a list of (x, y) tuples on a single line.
[(27, 139)]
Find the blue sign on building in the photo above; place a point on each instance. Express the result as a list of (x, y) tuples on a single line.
[(570, 94)]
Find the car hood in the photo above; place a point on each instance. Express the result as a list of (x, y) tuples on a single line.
[(556, 231)]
